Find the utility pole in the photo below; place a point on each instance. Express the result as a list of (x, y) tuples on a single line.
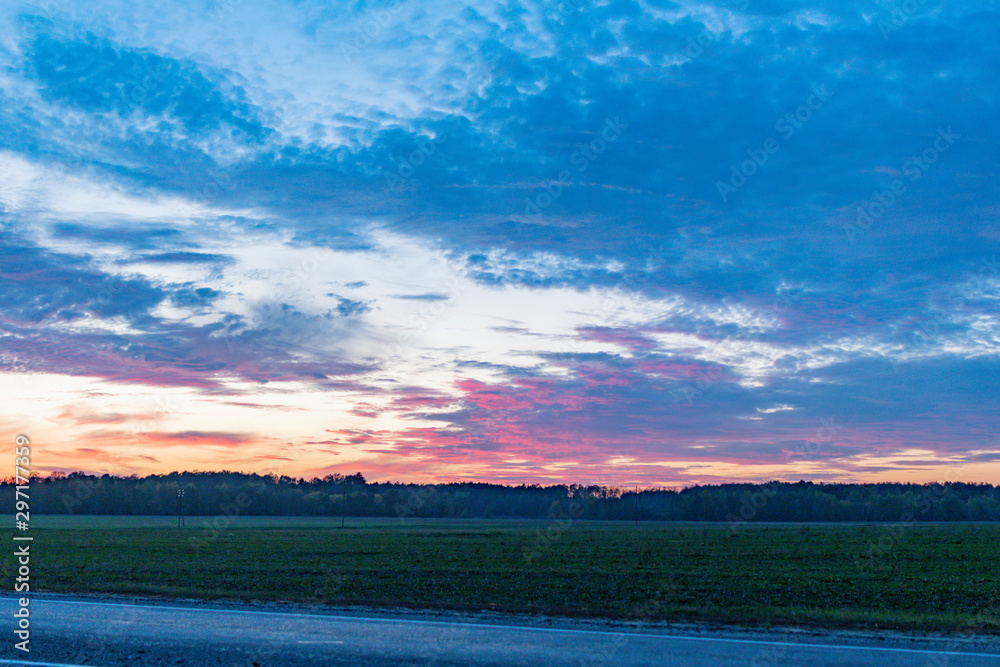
[(636, 505), (180, 508), (343, 508)]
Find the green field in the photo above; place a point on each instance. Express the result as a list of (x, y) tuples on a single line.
[(198, 524), (926, 577)]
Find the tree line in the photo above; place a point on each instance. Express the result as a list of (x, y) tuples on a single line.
[(214, 493)]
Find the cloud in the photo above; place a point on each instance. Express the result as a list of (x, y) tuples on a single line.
[(421, 297), (200, 437), (490, 239), (184, 258)]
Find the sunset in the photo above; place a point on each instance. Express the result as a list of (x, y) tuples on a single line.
[(500, 333), (473, 245)]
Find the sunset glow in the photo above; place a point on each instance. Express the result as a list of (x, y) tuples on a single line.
[(626, 243)]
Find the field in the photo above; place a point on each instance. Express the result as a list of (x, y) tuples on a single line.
[(924, 577)]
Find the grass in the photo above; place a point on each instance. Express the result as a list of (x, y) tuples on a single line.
[(199, 523), (934, 577)]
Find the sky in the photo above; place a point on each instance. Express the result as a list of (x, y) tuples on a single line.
[(628, 243)]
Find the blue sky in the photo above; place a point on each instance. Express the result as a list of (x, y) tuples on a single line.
[(612, 242)]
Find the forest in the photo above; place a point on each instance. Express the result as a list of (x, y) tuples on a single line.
[(237, 493)]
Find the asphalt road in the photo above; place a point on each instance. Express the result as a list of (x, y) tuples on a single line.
[(80, 631)]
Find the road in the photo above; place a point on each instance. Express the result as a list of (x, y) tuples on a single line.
[(81, 631)]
